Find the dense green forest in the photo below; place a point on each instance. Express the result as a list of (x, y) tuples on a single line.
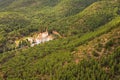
[(88, 50)]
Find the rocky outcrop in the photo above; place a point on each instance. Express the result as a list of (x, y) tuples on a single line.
[(41, 38), (35, 40)]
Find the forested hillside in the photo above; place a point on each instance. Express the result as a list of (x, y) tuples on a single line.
[(89, 47)]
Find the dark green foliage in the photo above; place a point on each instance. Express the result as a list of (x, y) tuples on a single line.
[(106, 68), (78, 21), (53, 60), (22, 18), (24, 43), (109, 44), (95, 54)]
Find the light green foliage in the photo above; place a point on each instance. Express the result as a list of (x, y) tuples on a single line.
[(79, 21), (104, 69), (50, 59)]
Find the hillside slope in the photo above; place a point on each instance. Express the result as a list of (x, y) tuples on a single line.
[(88, 50), (22, 18), (27, 19), (45, 62)]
